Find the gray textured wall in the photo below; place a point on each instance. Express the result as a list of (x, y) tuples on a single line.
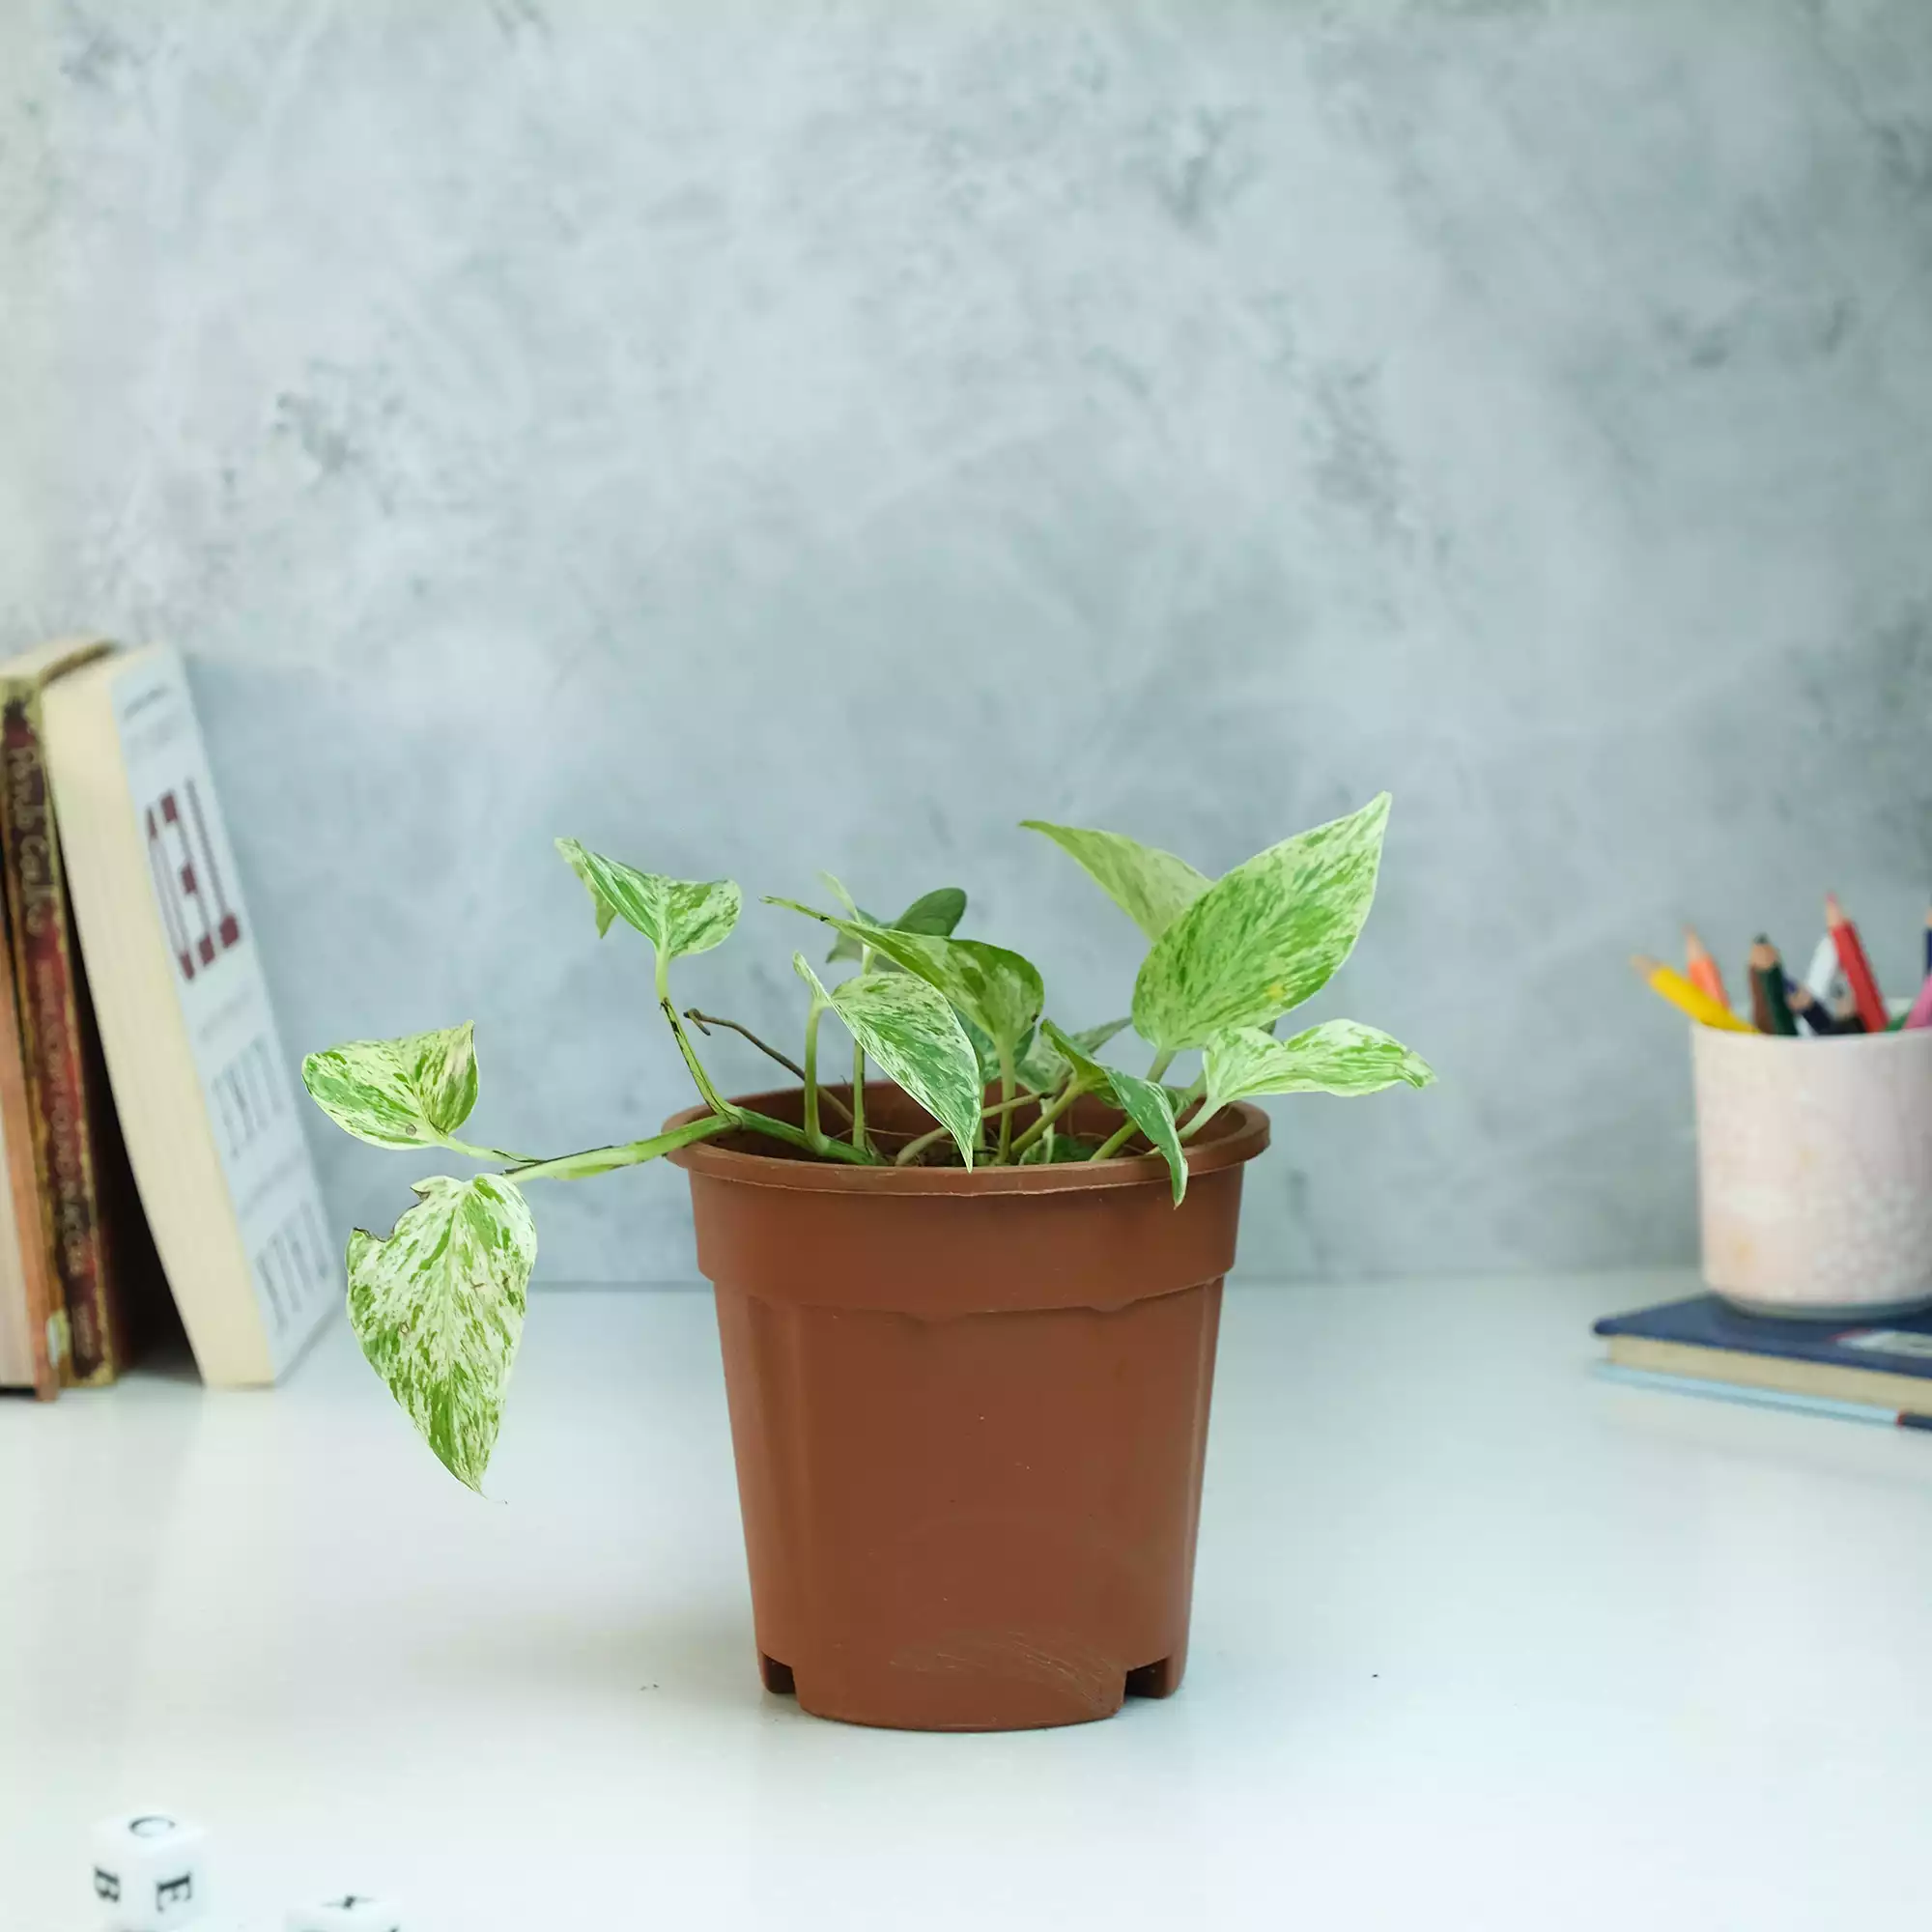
[(754, 437)]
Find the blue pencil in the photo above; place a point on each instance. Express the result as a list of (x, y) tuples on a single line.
[(1763, 1398)]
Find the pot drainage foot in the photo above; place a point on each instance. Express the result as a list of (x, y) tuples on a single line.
[(777, 1678), (1159, 1679)]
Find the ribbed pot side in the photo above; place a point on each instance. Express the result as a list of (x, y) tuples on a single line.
[(969, 1412)]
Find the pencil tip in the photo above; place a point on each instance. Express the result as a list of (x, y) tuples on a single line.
[(1645, 964), (1835, 913)]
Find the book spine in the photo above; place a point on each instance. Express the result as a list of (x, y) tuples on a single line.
[(50, 1030)]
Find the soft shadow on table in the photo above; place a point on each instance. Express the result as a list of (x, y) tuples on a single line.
[(697, 1654)]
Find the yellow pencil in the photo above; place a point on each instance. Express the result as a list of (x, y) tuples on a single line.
[(1693, 1000)]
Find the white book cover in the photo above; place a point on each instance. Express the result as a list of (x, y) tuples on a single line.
[(246, 1080)]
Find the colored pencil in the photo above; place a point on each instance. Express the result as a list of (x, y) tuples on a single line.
[(1928, 938), (1767, 977), (1806, 1008), (1921, 1008), (1845, 1014), (1702, 971), (1682, 994), (1870, 1002), (1822, 976)]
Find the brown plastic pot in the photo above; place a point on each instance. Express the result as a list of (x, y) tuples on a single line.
[(968, 1411)]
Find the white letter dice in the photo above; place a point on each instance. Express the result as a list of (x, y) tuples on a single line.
[(150, 1873), (354, 1912)]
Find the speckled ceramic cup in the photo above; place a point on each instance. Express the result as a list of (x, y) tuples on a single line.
[(1814, 1168)]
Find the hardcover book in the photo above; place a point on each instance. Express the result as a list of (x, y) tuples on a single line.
[(201, 1084)]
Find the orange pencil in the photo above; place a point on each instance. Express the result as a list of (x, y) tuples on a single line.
[(1693, 1000), (1865, 995), (1701, 970)]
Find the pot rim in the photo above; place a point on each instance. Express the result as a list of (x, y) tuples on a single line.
[(1235, 1137)]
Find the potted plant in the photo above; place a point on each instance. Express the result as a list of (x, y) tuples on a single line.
[(968, 1310)]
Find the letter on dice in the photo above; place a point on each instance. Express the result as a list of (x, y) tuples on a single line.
[(149, 1872), (348, 1911)]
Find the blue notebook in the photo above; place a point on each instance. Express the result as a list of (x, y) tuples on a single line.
[(1884, 1366)]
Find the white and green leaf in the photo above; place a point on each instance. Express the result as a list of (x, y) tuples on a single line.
[(935, 913), (677, 915), (397, 1092), (1264, 937), (1336, 1057), (1001, 992), (1152, 887), (1044, 1066), (1145, 1103), (910, 1031), (438, 1306)]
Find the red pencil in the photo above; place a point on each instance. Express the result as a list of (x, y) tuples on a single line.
[(1865, 995), (1701, 970)]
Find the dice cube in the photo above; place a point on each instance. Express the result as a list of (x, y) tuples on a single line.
[(348, 1912), (149, 1872)]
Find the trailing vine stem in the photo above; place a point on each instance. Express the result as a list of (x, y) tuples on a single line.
[(704, 1022), (814, 1138)]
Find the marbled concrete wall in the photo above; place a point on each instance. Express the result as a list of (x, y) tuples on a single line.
[(754, 437)]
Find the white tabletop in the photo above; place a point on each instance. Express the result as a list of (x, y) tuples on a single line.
[(1477, 1641)]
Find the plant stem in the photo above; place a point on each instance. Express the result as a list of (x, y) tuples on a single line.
[(814, 1138), (481, 1152), (1006, 1103), (784, 1130), (704, 1022), (1162, 1061), (710, 1093), (913, 1149), (857, 1110), (1114, 1142), (601, 1160), (1048, 1114)]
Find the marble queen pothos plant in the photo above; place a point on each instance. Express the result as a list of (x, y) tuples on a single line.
[(438, 1302)]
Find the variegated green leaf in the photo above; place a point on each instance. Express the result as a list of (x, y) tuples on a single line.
[(397, 1092), (677, 915), (999, 991), (1145, 1103), (1336, 1057), (910, 1031), (1152, 887), (1044, 1066), (439, 1307), (1264, 936), (935, 913)]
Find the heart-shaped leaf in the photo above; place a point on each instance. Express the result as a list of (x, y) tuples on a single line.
[(1336, 1057), (1264, 936), (1152, 887), (438, 1306), (677, 915), (935, 913), (1145, 1103), (1000, 992), (397, 1092), (910, 1031)]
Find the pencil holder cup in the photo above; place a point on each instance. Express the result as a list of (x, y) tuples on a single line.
[(1814, 1171)]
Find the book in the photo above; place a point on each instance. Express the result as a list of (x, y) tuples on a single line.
[(200, 1082), (1882, 1365), (70, 1131), (30, 1338)]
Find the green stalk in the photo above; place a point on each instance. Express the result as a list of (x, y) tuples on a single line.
[(1162, 1061), (710, 1093), (602, 1160), (1005, 1105), (1114, 1142), (914, 1148), (784, 1130), (814, 1138), (481, 1152), (857, 1094), (1050, 1112)]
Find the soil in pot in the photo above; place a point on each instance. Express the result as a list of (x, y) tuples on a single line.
[(968, 1411)]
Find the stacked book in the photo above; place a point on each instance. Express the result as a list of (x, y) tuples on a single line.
[(154, 1157)]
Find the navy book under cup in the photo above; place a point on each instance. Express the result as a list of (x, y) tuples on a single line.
[(1871, 1371)]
